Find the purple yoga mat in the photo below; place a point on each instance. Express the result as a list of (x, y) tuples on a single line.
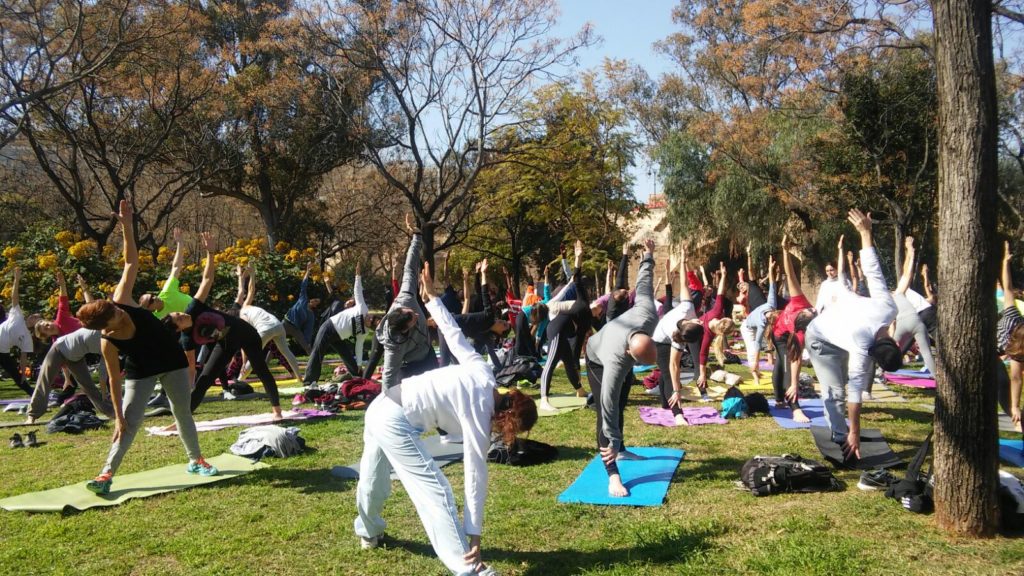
[(763, 364), (14, 401), (249, 420), (910, 381), (694, 416)]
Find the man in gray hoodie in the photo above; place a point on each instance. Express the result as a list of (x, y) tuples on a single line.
[(611, 354), (403, 331)]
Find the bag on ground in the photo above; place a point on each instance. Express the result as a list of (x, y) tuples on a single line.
[(767, 475)]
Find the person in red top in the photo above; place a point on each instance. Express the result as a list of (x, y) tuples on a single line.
[(786, 329), (64, 323), (713, 325)]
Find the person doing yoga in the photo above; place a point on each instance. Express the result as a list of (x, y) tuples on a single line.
[(710, 327), (1010, 341), (14, 333), (64, 322), (69, 351), (462, 399), (170, 298), (480, 328), (669, 342), (201, 325), (344, 333), (909, 327), (611, 354), (152, 354), (568, 321), (403, 330), (845, 339), (300, 320), (753, 328), (786, 328), (270, 329)]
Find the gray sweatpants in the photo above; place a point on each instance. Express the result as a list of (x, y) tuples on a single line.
[(136, 394), (831, 366), (48, 372)]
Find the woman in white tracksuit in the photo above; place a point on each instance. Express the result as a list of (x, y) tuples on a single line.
[(460, 398), (269, 328)]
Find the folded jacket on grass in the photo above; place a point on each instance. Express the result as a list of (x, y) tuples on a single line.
[(128, 486), (248, 420), (647, 479), (444, 453), (874, 451)]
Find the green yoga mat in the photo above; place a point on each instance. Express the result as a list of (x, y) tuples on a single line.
[(139, 485), (562, 404)]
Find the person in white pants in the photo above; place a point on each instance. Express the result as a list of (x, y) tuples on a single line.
[(458, 398), (269, 328)]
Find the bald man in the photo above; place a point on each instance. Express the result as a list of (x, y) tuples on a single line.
[(611, 354)]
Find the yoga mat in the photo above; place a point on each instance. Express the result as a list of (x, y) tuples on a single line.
[(641, 368), (762, 364), (647, 479), (914, 373), (249, 420), (911, 381), (15, 401), (874, 451), (562, 404), (812, 407), (139, 485), (1006, 424), (443, 453), (694, 416), (1010, 451)]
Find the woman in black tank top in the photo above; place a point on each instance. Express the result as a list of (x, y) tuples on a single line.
[(153, 355)]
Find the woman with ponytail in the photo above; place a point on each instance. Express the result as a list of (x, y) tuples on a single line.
[(461, 399)]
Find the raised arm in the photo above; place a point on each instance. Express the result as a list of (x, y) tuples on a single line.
[(608, 277), (792, 282), (179, 256), (1007, 278), (773, 299), (240, 273), (15, 299), (86, 295), (750, 263), (684, 286), (62, 284), (854, 273), (928, 295), (411, 273), (908, 267), (251, 296), (704, 275), (839, 262), (357, 287), (453, 336), (621, 277), (123, 292), (465, 290), (721, 278), (209, 271)]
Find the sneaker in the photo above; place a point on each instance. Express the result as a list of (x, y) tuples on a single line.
[(201, 467), (370, 543), (876, 480), (16, 441), (652, 391), (705, 398), (30, 440), (53, 399), (100, 484)]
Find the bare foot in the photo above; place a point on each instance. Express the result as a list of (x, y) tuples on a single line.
[(756, 375), (615, 487), (30, 420), (545, 405), (276, 411), (799, 416), (680, 421), (581, 393)]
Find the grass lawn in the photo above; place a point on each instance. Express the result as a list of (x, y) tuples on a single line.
[(294, 518)]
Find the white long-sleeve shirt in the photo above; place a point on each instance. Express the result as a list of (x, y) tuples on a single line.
[(264, 322), (830, 292), (14, 333), (852, 322), (350, 322), (457, 397), (667, 324)]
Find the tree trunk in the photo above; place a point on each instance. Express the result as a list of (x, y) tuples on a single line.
[(966, 463)]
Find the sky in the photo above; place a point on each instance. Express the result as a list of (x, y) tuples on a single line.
[(628, 31)]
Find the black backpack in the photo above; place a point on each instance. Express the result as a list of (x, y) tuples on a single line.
[(766, 475), (914, 491), (519, 368)]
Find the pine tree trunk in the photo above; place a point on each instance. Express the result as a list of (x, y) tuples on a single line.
[(965, 423)]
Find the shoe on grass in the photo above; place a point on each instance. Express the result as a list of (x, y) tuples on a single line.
[(100, 484), (371, 543), (201, 467), (30, 440), (876, 480), (16, 441)]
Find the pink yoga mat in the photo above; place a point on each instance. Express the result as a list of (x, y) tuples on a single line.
[(911, 381), (694, 416), (249, 420)]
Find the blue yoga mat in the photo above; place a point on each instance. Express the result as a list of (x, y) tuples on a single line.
[(922, 373), (1010, 451), (812, 407), (641, 368), (647, 479)]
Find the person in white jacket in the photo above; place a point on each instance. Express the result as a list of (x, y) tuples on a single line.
[(847, 338), (338, 333), (461, 399), (271, 329)]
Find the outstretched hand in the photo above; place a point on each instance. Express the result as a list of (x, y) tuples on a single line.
[(1007, 256), (427, 282), (649, 245), (860, 220), (787, 242), (771, 265), (578, 249), (176, 234), (410, 224), (908, 242), (124, 213)]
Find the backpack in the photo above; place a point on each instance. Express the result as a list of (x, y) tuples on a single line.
[(766, 475), (757, 403), (518, 368), (525, 452), (914, 491)]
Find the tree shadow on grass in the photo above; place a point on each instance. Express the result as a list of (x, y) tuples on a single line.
[(715, 468), (920, 416), (674, 545), (304, 480)]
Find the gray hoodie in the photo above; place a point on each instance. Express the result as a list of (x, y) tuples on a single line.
[(608, 347), (398, 348)]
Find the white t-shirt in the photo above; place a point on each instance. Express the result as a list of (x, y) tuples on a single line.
[(830, 292), (919, 302), (14, 333), (667, 324), (263, 321)]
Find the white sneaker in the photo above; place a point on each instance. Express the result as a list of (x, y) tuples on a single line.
[(370, 543), (652, 391), (704, 397)]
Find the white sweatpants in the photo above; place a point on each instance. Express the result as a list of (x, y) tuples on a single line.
[(391, 441)]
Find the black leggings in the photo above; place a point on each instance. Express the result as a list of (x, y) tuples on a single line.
[(781, 372), (594, 373), (9, 364), (328, 338), (246, 339), (376, 353), (665, 383)]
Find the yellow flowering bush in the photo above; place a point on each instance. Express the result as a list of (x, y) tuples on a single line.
[(47, 261), (82, 249), (65, 238)]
